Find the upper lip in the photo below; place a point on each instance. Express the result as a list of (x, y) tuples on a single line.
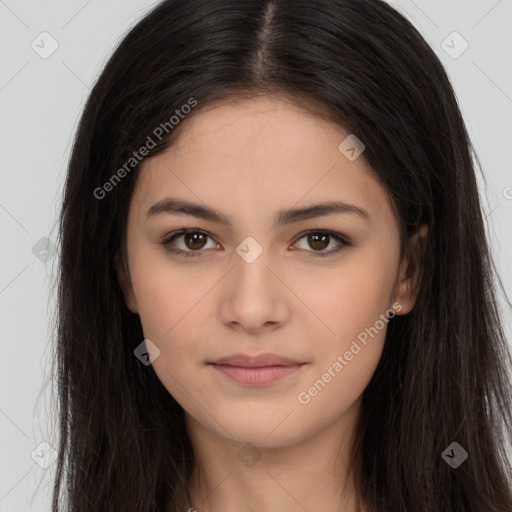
[(258, 361)]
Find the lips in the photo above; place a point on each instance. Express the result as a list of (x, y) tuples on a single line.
[(259, 361), (260, 370)]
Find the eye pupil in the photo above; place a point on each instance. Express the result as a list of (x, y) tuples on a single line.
[(318, 240), (191, 239)]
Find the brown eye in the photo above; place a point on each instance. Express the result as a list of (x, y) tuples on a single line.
[(194, 241), (318, 241), (189, 242)]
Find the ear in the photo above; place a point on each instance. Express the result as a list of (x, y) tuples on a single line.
[(409, 276), (125, 282)]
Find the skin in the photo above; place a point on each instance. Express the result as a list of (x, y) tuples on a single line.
[(248, 159)]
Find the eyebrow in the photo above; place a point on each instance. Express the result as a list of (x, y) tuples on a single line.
[(174, 206)]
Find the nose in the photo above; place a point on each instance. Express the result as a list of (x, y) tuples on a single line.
[(254, 297)]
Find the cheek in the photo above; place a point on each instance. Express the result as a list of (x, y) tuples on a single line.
[(173, 315), (174, 320), (344, 367), (167, 295), (175, 309), (351, 298), (354, 302)]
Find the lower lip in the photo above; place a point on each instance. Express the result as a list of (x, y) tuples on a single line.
[(260, 376)]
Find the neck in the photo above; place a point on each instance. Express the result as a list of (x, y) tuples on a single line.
[(312, 474)]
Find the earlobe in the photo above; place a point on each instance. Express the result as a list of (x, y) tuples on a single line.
[(409, 276), (125, 283)]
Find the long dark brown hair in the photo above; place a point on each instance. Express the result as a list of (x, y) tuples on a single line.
[(444, 375)]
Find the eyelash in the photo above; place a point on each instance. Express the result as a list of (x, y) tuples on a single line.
[(344, 242)]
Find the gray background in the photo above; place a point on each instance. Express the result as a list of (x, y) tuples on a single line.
[(40, 100)]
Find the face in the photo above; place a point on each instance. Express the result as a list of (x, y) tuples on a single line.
[(262, 272)]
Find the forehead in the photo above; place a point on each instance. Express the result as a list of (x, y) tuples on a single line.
[(259, 154)]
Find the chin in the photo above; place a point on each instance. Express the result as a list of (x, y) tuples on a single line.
[(262, 432)]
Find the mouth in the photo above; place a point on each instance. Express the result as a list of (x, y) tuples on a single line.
[(260, 370)]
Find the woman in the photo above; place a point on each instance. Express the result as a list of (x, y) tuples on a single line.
[(276, 291)]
